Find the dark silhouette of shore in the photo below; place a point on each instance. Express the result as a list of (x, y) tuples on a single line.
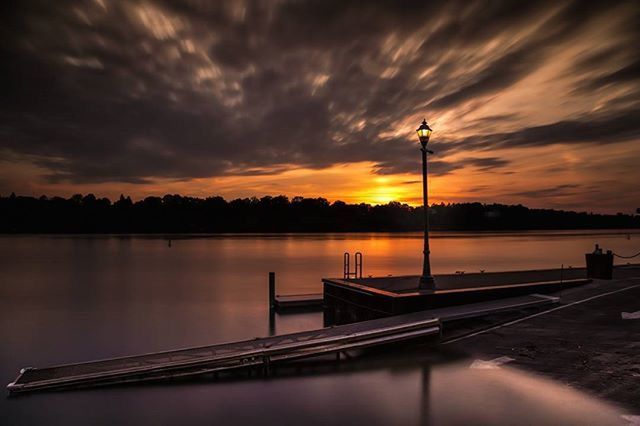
[(178, 214)]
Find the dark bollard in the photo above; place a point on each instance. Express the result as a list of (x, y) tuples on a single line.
[(272, 290), (599, 264)]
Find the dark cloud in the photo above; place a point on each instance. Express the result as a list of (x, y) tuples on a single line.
[(486, 164), (496, 118), (133, 91), (602, 128), (628, 73), (524, 57), (556, 191), (477, 189), (498, 75), (441, 167)]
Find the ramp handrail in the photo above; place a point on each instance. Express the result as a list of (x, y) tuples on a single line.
[(346, 265)]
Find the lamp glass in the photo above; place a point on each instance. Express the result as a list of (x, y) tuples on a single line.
[(424, 133)]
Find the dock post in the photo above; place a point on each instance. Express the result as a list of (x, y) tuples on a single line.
[(272, 322), (266, 363), (272, 290)]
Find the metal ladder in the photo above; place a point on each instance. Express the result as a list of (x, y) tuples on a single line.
[(357, 272)]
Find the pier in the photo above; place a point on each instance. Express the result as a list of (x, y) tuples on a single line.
[(298, 301), (351, 300), (439, 325), (262, 353), (291, 302)]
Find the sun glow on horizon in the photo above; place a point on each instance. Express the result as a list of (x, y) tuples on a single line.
[(146, 99)]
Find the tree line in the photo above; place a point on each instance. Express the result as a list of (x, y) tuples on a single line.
[(180, 214)]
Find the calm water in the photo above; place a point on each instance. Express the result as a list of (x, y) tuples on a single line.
[(75, 298)]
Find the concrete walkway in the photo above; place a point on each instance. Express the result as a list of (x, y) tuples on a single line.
[(585, 342)]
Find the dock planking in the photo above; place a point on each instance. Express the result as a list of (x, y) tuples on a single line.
[(292, 302), (464, 287), (298, 301), (260, 352), (353, 300), (222, 357)]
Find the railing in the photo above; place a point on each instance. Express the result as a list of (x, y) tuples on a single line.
[(357, 272)]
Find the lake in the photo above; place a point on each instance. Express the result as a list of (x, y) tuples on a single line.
[(75, 298)]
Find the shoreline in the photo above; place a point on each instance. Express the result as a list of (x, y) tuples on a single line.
[(449, 233)]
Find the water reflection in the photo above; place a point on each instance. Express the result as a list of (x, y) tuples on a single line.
[(67, 299), (458, 395), (428, 386)]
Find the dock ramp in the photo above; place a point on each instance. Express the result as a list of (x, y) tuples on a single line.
[(260, 352)]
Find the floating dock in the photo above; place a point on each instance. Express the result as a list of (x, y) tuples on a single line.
[(452, 289), (454, 301), (350, 300), (298, 301), (260, 353), (291, 302)]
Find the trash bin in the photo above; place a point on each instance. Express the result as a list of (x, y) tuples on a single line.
[(599, 264)]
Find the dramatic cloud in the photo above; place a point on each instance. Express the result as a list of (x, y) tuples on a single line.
[(556, 191), (141, 92), (592, 128)]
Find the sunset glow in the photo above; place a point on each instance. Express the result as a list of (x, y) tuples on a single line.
[(531, 103)]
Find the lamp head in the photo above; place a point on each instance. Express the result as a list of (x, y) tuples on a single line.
[(424, 133)]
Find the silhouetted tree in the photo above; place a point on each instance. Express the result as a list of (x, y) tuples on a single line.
[(175, 213)]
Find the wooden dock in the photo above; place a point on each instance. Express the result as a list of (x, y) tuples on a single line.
[(292, 302), (259, 353), (298, 302), (352, 300)]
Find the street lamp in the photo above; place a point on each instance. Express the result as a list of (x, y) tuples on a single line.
[(426, 280)]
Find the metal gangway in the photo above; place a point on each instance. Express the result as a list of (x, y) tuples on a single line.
[(262, 353)]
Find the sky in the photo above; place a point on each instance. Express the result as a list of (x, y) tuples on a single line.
[(534, 103)]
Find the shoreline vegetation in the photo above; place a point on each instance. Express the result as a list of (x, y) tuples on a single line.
[(87, 214)]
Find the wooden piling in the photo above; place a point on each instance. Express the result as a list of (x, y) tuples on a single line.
[(291, 301), (272, 322), (272, 290)]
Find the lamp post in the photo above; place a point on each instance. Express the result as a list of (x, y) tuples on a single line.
[(426, 280)]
